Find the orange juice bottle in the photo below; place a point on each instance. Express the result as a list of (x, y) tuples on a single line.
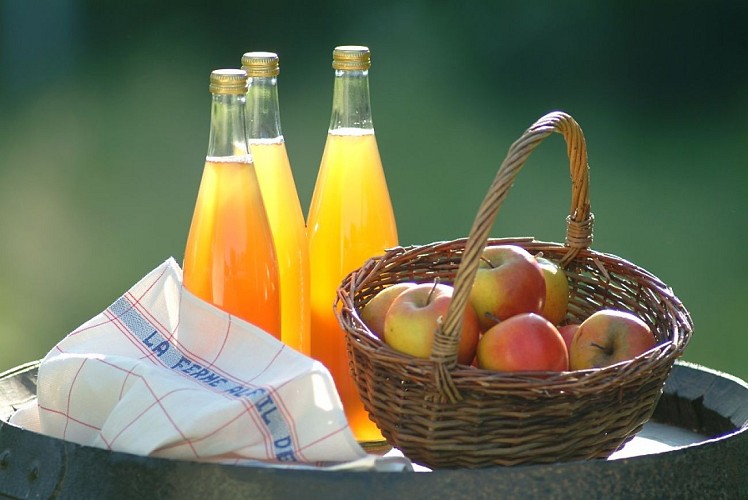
[(230, 259), (350, 220), (268, 148)]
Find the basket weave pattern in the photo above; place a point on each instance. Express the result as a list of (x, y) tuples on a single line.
[(442, 414)]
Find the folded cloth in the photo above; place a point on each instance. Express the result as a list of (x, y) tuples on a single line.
[(162, 373)]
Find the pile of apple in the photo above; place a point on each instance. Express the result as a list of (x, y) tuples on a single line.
[(515, 320)]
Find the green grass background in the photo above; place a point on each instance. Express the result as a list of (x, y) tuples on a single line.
[(104, 111)]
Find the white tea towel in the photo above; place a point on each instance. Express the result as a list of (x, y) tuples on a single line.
[(163, 373)]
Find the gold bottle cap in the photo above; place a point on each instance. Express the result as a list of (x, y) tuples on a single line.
[(228, 81), (353, 57), (260, 64)]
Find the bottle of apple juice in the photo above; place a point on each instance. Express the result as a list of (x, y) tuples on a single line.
[(350, 220), (268, 148), (229, 258)]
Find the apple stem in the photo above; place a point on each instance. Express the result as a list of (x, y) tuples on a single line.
[(487, 262), (431, 292), (604, 349)]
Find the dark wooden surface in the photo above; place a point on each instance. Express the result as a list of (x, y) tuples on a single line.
[(712, 404)]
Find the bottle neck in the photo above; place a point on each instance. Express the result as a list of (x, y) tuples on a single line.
[(351, 107), (227, 137), (263, 111)]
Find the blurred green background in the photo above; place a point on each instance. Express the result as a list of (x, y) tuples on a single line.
[(104, 111)]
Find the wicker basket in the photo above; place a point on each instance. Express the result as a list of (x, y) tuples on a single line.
[(442, 414)]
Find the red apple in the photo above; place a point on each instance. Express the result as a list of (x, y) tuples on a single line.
[(524, 342), (608, 337), (414, 316), (556, 291), (375, 311), (567, 333), (509, 281)]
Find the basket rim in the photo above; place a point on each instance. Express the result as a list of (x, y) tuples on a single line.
[(349, 316)]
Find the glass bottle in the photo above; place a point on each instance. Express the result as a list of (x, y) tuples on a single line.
[(268, 148), (229, 258), (350, 220)]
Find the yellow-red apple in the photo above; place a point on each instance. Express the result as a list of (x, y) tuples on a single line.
[(375, 311), (415, 314), (608, 337), (509, 281), (556, 291), (524, 342)]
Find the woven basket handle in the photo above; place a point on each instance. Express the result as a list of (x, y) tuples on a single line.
[(578, 230)]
